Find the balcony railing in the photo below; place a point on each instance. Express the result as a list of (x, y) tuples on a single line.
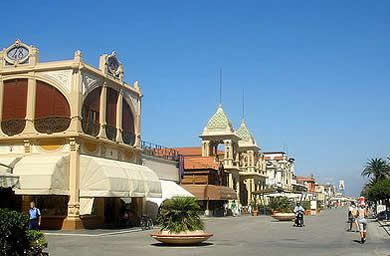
[(13, 126), (128, 137), (152, 149), (111, 132), (52, 124), (91, 128)]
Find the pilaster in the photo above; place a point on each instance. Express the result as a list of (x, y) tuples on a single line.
[(119, 118), (30, 111), (102, 112)]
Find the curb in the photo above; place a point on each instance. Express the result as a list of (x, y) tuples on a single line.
[(382, 225)]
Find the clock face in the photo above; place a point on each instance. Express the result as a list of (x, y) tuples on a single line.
[(113, 65), (17, 53)]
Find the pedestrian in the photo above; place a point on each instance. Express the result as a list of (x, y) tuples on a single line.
[(34, 217), (361, 219), (234, 208), (352, 211)]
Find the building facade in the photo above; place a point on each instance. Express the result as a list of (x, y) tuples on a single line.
[(234, 152), (72, 134), (280, 169)]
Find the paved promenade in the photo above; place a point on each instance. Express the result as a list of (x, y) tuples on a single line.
[(323, 235)]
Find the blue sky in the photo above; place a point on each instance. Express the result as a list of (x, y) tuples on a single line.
[(315, 73)]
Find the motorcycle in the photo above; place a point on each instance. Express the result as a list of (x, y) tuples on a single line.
[(299, 219)]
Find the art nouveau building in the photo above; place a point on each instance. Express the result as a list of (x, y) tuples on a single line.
[(239, 155), (71, 132)]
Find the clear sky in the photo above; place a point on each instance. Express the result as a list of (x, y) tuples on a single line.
[(316, 73)]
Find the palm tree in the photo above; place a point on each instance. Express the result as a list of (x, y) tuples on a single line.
[(376, 169)]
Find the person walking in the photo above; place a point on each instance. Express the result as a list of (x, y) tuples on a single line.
[(352, 212), (34, 217), (361, 219)]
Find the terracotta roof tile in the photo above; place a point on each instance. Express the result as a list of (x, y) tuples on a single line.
[(191, 163)]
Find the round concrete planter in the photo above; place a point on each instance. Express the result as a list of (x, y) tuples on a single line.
[(284, 216), (255, 213), (182, 238)]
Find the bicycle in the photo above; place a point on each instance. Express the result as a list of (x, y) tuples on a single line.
[(146, 223)]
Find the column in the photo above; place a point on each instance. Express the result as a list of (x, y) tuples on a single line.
[(73, 220), (138, 124), (102, 112), (238, 189), (249, 189), (119, 120), (30, 111), (75, 102), (230, 183), (1, 100)]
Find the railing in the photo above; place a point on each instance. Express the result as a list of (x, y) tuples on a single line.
[(13, 126), (152, 149), (91, 128), (111, 132), (51, 124), (128, 137)]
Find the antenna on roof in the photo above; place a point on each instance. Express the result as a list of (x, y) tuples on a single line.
[(220, 86)]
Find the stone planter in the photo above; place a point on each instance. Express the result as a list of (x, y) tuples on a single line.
[(307, 212), (284, 216), (182, 238), (255, 213)]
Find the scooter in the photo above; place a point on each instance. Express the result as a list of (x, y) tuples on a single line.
[(299, 219)]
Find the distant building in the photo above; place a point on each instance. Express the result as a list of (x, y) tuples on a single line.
[(309, 182), (280, 170)]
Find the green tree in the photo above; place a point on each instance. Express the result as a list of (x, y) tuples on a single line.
[(376, 169), (379, 191)]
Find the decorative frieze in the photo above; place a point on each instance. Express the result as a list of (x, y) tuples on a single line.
[(61, 77)]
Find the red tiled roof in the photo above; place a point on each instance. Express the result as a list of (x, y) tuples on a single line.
[(191, 163), (190, 151)]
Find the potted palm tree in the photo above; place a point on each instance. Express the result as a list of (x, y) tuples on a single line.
[(180, 222)]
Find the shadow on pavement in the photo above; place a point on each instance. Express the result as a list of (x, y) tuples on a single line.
[(162, 245)]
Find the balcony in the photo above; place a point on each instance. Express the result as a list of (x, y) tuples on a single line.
[(155, 150), (52, 124), (91, 128), (12, 127), (111, 132), (128, 137)]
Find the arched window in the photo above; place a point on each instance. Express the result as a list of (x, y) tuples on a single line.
[(52, 111), (14, 106), (112, 98), (128, 135), (91, 112)]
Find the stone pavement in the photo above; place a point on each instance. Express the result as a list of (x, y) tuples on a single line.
[(246, 235)]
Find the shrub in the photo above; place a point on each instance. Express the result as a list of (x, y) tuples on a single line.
[(37, 241), (180, 214), (13, 238), (281, 204), (306, 205)]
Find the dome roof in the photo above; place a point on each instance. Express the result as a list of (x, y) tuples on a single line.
[(246, 137), (219, 123)]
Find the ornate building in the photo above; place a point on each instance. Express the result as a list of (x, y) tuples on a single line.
[(71, 132), (280, 171), (239, 156)]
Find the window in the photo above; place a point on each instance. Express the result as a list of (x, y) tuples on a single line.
[(90, 112)]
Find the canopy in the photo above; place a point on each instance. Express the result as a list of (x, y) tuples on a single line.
[(7, 179), (43, 175), (211, 192), (100, 177), (169, 190), (288, 195)]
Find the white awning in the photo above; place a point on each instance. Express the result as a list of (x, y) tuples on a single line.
[(100, 177), (86, 205), (169, 190), (43, 175), (7, 179)]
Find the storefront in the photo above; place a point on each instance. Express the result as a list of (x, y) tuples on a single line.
[(71, 133)]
